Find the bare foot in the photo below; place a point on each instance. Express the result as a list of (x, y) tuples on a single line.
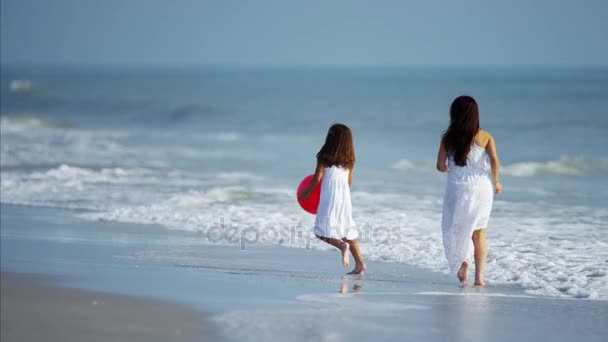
[(463, 273), (359, 269), (479, 282), (344, 249)]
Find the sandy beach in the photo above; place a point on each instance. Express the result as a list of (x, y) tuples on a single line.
[(135, 273), (35, 310)]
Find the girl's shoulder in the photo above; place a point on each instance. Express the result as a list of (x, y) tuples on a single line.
[(340, 167)]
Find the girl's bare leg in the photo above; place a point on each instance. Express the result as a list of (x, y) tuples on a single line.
[(481, 251), (343, 246), (354, 250)]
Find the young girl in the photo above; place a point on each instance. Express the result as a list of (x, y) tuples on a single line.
[(334, 223), (470, 154)]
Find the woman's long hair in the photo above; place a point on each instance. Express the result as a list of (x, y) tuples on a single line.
[(464, 125), (338, 149)]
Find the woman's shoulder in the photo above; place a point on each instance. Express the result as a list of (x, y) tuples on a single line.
[(485, 133), (483, 138)]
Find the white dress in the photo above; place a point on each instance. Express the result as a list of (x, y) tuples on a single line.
[(466, 205), (334, 215)]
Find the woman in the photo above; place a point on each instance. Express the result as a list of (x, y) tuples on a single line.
[(467, 153)]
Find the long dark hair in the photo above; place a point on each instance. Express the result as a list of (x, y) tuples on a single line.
[(464, 125), (338, 149)]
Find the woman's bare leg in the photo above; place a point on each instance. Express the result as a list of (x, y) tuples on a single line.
[(354, 250), (463, 273), (343, 246), (481, 251)]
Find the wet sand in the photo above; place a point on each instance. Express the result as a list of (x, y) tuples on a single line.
[(35, 310)]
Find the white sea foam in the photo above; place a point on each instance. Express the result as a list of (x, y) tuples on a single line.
[(23, 122), (403, 165), (238, 176), (30, 141), (21, 86), (227, 136), (564, 166), (72, 187)]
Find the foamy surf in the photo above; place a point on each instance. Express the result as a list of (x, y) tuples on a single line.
[(549, 249), (564, 166), (21, 86)]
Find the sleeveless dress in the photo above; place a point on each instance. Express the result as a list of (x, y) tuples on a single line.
[(334, 215), (467, 204)]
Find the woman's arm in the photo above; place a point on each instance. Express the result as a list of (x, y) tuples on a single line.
[(494, 162), (350, 178), (314, 181), (442, 157)]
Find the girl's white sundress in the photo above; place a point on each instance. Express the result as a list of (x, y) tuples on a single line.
[(334, 215), (466, 205)]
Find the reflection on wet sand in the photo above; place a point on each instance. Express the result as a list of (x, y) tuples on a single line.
[(357, 286), (468, 315)]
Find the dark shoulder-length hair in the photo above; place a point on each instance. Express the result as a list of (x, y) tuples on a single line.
[(338, 149), (464, 125)]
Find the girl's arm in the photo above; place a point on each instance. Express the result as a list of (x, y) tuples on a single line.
[(350, 178), (494, 162), (313, 183), (442, 157)]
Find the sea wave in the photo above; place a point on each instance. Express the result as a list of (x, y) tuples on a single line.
[(106, 175), (31, 141), (406, 165), (21, 86), (92, 189), (564, 166), (19, 122)]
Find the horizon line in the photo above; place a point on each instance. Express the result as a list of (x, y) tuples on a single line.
[(4, 65)]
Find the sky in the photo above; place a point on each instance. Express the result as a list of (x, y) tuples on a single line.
[(311, 32)]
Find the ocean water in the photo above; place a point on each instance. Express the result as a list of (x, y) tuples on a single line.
[(220, 152)]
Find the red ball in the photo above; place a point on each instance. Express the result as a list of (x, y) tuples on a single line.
[(311, 203)]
